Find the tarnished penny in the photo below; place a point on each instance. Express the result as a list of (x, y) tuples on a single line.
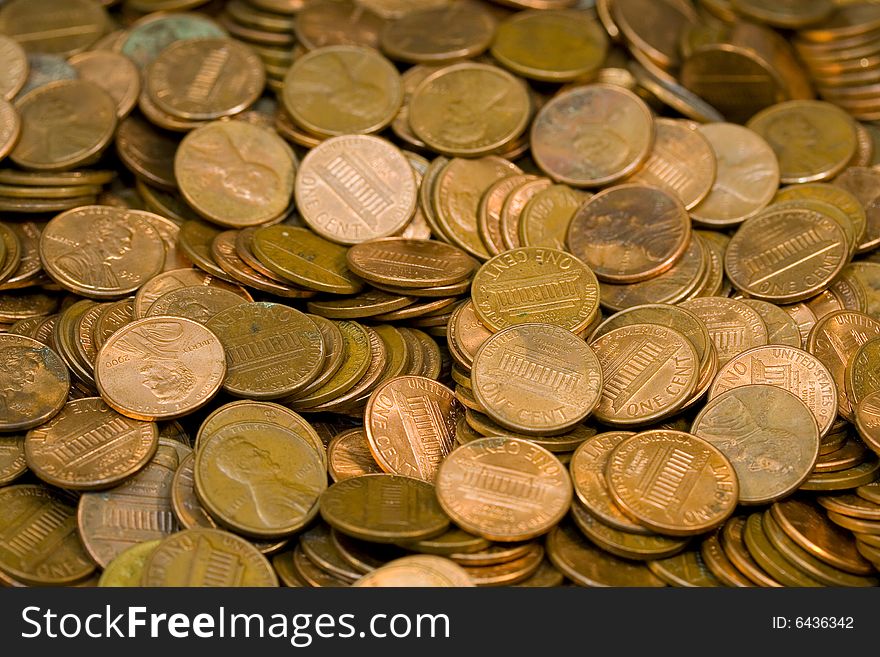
[(732, 325), (127, 568), (137, 510), (89, 446), (341, 89), (786, 254), (408, 263), (333, 22), (768, 434), (234, 173), (114, 73), (813, 140), (64, 124), (34, 382), (789, 368), (160, 368), (39, 544), (384, 508), (746, 179), (469, 109), (272, 350), (533, 284), (536, 378), (176, 279), (354, 188), (205, 79), (441, 34), (420, 570), (504, 489), (648, 371), (592, 135), (410, 425), (682, 162), (629, 233), (672, 482), (196, 302), (12, 459), (207, 557), (259, 478)]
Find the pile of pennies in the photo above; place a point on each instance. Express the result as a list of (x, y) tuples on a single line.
[(439, 293)]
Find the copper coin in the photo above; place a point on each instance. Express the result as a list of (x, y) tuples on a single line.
[(592, 135), (785, 255), (867, 419), (648, 371), (630, 233), (407, 263), (652, 27), (64, 124), (673, 482), (34, 380), (175, 279), (354, 188), (504, 489), (272, 350), (442, 34), (786, 367), (768, 434), (733, 326), (207, 557), (12, 459), (259, 478), (180, 362), (89, 446), (198, 303), (234, 173), (15, 69), (54, 26), (336, 22), (747, 176), (349, 455), (147, 151), (536, 378), (533, 284), (417, 571), (114, 73), (410, 425), (546, 217)]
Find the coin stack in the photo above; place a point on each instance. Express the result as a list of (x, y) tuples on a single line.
[(439, 293)]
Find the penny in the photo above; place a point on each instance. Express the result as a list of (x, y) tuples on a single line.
[(147, 151), (205, 79), (469, 109), (259, 478), (859, 475), (89, 446), (176, 279), (786, 14), (586, 565), (441, 34), (653, 28), (456, 196), (813, 140), (863, 528), (489, 211), (383, 508), (864, 184), (672, 482), (630, 233), (720, 565), (153, 33), (746, 179), (12, 458), (734, 546), (317, 544), (851, 506), (536, 378), (54, 555), (508, 573), (648, 371), (15, 69), (860, 378), (355, 188), (342, 89), (533, 284), (733, 326), (808, 527), (407, 263), (54, 26), (545, 218), (768, 434), (417, 571), (592, 135), (465, 334), (835, 340), (682, 161), (834, 195), (207, 557), (369, 303), (380, 362), (235, 174), (126, 570), (686, 569), (180, 362), (305, 259), (10, 128), (63, 125), (781, 327), (336, 22), (100, 251), (638, 547), (349, 455), (410, 426), (137, 510), (34, 382), (196, 302), (272, 351), (786, 254), (867, 420), (770, 558), (397, 9), (114, 73)]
